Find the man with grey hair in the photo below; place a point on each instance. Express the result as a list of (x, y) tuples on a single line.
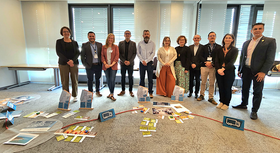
[(127, 53), (195, 65), (146, 52)]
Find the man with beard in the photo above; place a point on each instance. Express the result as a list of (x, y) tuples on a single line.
[(91, 59), (207, 59), (146, 53)]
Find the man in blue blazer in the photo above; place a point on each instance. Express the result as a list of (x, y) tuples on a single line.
[(91, 59), (257, 57)]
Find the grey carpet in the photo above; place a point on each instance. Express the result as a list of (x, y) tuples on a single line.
[(122, 133)]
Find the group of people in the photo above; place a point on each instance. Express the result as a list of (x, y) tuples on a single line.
[(180, 66)]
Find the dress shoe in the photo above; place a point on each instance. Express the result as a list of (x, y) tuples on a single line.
[(211, 100), (151, 96), (201, 97), (75, 99), (121, 93), (196, 96), (189, 95), (224, 107), (254, 115), (240, 107), (220, 105), (98, 94), (131, 94)]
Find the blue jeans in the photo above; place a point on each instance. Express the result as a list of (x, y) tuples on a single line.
[(110, 78), (149, 68)]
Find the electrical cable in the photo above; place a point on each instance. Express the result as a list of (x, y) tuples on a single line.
[(191, 114)]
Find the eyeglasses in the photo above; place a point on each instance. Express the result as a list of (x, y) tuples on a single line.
[(65, 31), (212, 36), (127, 33)]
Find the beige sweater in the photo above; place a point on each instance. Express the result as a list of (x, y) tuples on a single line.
[(161, 55)]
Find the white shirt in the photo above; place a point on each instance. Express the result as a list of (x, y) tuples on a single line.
[(109, 51), (146, 52), (251, 47), (195, 48), (167, 57)]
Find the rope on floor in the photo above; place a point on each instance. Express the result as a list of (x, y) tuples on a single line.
[(191, 114)]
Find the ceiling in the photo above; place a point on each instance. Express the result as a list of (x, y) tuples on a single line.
[(132, 1)]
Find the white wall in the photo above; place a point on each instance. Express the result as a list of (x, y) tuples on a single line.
[(42, 23), (12, 44)]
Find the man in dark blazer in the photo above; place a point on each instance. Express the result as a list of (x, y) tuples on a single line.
[(91, 59), (207, 58), (257, 57), (195, 65), (127, 53)]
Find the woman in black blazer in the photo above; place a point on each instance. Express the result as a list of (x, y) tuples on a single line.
[(225, 69), (68, 52)]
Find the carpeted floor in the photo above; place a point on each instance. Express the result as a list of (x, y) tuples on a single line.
[(122, 133)]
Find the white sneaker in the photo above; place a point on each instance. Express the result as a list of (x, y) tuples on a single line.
[(220, 105), (75, 99), (224, 107)]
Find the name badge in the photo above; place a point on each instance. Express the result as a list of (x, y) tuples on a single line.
[(95, 55), (209, 58)]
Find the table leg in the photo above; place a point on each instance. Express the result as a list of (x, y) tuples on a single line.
[(56, 80)]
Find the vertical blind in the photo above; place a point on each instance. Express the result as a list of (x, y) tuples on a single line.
[(87, 19)]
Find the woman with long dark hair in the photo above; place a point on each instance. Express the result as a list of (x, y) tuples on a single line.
[(225, 69)]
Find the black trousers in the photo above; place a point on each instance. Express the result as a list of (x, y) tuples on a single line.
[(247, 77), (128, 68), (94, 70), (225, 83), (194, 74)]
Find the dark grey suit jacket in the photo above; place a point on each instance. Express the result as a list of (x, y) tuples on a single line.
[(131, 52), (195, 58), (262, 57), (86, 54)]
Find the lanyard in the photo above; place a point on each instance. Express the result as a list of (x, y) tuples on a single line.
[(209, 49)]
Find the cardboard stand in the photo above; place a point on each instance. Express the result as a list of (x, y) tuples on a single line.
[(142, 95), (86, 100), (64, 101), (178, 94)]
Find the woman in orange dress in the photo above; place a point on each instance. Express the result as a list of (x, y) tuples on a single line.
[(165, 71)]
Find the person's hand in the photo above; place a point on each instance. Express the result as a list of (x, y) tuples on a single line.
[(144, 63), (127, 63), (71, 65), (186, 71), (209, 65), (167, 64), (193, 66), (239, 74), (260, 76), (221, 72), (107, 66)]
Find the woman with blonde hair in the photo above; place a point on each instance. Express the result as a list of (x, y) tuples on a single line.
[(109, 58), (165, 72)]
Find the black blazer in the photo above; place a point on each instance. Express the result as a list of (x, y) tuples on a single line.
[(131, 52), (229, 59), (262, 57), (61, 52), (195, 58), (185, 57), (86, 54), (205, 53)]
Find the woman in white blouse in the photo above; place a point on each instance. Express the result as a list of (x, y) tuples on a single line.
[(165, 72)]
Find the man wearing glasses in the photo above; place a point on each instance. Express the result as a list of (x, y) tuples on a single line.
[(127, 53), (91, 59), (207, 59)]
